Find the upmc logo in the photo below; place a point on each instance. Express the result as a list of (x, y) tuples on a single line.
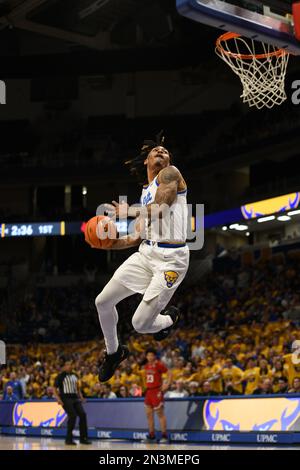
[(296, 352), (179, 437)]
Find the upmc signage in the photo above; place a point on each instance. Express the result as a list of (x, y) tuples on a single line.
[(218, 414)]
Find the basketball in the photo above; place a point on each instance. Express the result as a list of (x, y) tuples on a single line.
[(100, 235)]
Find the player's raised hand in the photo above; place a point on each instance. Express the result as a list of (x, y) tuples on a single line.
[(115, 209)]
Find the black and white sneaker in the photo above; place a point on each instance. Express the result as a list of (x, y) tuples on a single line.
[(70, 443), (111, 362), (174, 314), (85, 441)]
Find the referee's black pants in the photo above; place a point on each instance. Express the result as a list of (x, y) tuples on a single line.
[(73, 408)]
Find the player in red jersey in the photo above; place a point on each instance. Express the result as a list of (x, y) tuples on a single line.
[(154, 398)]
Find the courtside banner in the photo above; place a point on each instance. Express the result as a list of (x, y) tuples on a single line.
[(217, 414)]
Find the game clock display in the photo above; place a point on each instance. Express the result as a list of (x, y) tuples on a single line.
[(32, 229)]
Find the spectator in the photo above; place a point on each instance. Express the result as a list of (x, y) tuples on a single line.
[(251, 376), (207, 390), (229, 388), (30, 394), (16, 386), (265, 388), (128, 377), (49, 395), (213, 373), (9, 394), (178, 392), (107, 392), (296, 386), (123, 392), (278, 372), (24, 379), (135, 391), (96, 391), (282, 385), (232, 377), (198, 351), (193, 389)]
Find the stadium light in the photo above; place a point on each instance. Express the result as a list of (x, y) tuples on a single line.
[(266, 219), (224, 228), (238, 227), (296, 212), (283, 218)]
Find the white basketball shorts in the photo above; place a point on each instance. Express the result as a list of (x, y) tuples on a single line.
[(154, 271)]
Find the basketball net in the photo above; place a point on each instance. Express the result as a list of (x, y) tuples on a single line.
[(260, 67)]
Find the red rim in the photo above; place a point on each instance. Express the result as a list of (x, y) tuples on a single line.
[(227, 36)]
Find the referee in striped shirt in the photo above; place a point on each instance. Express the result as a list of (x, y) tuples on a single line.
[(68, 395)]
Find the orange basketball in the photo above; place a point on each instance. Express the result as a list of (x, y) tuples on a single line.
[(99, 234)]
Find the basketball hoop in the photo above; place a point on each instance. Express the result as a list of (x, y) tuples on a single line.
[(261, 68)]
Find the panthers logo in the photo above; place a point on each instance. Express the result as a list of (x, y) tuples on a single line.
[(44, 414), (271, 206), (171, 277), (251, 414)]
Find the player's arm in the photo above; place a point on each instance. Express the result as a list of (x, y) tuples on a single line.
[(168, 179), (123, 243)]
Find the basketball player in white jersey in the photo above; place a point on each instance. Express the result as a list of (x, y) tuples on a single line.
[(160, 264)]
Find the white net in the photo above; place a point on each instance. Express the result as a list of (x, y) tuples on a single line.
[(261, 68)]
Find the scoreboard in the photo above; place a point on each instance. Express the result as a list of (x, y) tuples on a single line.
[(51, 229), (32, 229)]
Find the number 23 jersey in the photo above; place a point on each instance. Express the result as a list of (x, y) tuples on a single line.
[(153, 374)]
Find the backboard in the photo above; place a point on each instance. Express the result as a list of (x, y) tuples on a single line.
[(269, 21)]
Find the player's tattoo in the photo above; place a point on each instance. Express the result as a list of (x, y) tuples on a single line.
[(169, 174)]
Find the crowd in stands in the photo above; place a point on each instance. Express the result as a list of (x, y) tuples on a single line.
[(236, 336)]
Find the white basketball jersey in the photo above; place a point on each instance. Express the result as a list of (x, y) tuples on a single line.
[(172, 227)]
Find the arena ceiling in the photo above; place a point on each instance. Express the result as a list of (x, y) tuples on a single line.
[(97, 24), (47, 37)]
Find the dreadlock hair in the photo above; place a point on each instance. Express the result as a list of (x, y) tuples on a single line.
[(136, 165)]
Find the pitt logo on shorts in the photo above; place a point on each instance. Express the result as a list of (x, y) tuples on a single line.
[(171, 277)]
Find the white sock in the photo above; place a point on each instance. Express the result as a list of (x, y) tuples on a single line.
[(106, 301)]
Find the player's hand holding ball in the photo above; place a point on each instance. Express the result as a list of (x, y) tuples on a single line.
[(101, 232)]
